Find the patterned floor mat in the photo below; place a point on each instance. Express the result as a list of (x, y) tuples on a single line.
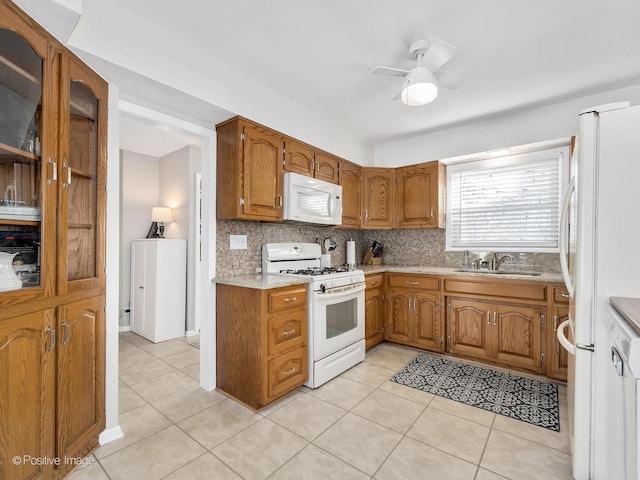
[(514, 396)]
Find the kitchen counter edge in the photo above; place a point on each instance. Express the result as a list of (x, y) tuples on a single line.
[(451, 271), (260, 282)]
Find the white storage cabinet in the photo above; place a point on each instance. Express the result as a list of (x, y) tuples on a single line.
[(158, 288)]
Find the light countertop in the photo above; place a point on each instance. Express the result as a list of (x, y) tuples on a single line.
[(629, 308), (265, 282), (261, 282), (450, 271)]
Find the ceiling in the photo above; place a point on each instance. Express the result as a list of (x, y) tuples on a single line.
[(518, 55)]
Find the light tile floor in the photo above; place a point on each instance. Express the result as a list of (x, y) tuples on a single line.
[(358, 426)]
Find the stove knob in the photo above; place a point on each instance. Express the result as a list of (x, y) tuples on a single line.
[(322, 287)]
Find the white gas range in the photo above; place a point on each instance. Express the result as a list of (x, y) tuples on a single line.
[(335, 304)]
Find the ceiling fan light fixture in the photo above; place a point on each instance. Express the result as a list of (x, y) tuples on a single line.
[(419, 88)]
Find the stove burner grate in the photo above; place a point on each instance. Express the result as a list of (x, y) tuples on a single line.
[(315, 271)]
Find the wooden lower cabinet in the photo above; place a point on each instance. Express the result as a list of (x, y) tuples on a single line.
[(81, 370), (261, 342), (507, 333), (374, 310), (27, 394), (557, 358), (51, 388), (414, 316)]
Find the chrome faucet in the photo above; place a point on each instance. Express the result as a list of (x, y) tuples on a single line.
[(496, 262)]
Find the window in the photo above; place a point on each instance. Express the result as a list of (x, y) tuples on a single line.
[(506, 204)]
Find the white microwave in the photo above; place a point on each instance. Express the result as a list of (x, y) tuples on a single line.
[(311, 200)]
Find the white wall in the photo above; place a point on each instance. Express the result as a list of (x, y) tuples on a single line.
[(176, 181), (541, 124), (139, 194)]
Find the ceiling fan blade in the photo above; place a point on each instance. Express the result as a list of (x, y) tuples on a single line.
[(398, 72), (397, 95), (450, 79), (439, 53)]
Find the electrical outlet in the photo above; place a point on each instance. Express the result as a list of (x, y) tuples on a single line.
[(238, 242)]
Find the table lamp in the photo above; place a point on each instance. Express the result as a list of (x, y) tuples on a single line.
[(161, 215)]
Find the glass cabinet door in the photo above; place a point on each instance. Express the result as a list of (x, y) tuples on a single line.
[(81, 184), (23, 145)]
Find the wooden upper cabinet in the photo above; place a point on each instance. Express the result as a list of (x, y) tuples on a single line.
[(27, 136), (326, 166), (378, 198), (249, 171), (420, 196), (351, 181), (299, 158), (82, 171), (305, 160)]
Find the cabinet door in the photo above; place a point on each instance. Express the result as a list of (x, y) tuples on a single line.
[(262, 173), (557, 357), (399, 317), (351, 181), (428, 321), (27, 138), (416, 196), (378, 197), (81, 361), (516, 335), (326, 167), (27, 395), (298, 158), (469, 327), (373, 316), (82, 177)]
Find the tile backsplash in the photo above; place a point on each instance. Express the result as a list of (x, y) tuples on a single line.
[(423, 247)]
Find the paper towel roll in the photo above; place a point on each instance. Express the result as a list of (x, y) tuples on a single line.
[(351, 253)]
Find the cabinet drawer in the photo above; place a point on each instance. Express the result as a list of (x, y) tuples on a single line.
[(498, 289), (560, 295), (423, 282), (285, 299), (286, 372), (287, 331), (374, 281)]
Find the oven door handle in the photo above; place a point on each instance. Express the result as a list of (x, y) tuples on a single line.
[(330, 296)]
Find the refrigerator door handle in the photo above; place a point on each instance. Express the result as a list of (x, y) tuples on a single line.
[(566, 344), (564, 264)]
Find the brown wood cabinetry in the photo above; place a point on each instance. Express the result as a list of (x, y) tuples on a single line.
[(249, 171), (414, 315), (53, 166), (490, 327), (419, 200), (261, 342), (305, 160), (378, 199), (374, 309), (557, 357), (350, 179)]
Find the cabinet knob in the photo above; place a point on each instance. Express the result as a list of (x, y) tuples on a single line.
[(141, 287), (292, 299)]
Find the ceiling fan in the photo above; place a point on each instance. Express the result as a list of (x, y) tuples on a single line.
[(421, 82)]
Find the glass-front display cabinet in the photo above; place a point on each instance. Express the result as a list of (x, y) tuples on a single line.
[(22, 194)]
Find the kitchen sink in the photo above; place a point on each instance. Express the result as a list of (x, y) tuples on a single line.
[(500, 272)]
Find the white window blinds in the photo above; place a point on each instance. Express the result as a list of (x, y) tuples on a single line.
[(511, 203)]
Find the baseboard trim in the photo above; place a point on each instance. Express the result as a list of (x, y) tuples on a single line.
[(124, 328), (191, 333), (110, 434)]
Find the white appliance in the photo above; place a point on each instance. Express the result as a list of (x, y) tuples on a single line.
[(158, 288), (598, 255), (618, 368), (310, 200), (336, 308)]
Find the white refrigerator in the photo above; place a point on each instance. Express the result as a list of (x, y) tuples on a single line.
[(600, 258)]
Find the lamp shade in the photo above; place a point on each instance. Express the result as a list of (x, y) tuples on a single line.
[(419, 88), (161, 214)]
